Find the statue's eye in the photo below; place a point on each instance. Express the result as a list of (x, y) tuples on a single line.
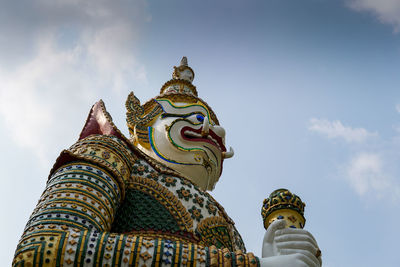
[(200, 118)]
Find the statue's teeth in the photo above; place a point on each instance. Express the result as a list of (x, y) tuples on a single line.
[(190, 133), (215, 141)]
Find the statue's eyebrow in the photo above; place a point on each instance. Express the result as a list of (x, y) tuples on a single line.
[(166, 115)]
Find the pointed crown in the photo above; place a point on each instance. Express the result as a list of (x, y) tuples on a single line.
[(181, 82), (181, 89), (178, 89)]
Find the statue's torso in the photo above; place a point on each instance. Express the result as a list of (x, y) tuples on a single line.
[(171, 207), (155, 201)]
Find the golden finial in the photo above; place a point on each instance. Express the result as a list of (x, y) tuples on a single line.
[(183, 72), (282, 204), (181, 82)]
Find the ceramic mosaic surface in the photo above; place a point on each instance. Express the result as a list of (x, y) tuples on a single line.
[(109, 202)]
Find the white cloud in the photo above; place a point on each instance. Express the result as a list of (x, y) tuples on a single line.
[(366, 175), (398, 108), (67, 54), (336, 129), (387, 11), (370, 175)]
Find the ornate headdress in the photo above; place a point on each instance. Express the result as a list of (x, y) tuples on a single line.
[(178, 89)]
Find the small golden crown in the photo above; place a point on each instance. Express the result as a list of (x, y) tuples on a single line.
[(180, 83), (183, 66), (279, 200)]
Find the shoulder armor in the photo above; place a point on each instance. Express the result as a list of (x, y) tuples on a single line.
[(101, 143), (106, 151)]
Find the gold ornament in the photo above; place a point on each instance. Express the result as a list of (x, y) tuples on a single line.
[(283, 205)]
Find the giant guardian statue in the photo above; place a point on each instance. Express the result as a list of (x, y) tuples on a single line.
[(143, 200)]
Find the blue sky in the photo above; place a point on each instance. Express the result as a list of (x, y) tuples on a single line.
[(308, 92)]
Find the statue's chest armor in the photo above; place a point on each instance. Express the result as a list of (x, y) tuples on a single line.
[(160, 205)]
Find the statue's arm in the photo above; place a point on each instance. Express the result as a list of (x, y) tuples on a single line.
[(72, 221)]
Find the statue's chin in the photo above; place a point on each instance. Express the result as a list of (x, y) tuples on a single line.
[(197, 174)]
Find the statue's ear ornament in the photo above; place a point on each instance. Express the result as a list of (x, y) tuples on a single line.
[(139, 117)]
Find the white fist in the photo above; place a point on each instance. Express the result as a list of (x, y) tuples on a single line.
[(289, 247)]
